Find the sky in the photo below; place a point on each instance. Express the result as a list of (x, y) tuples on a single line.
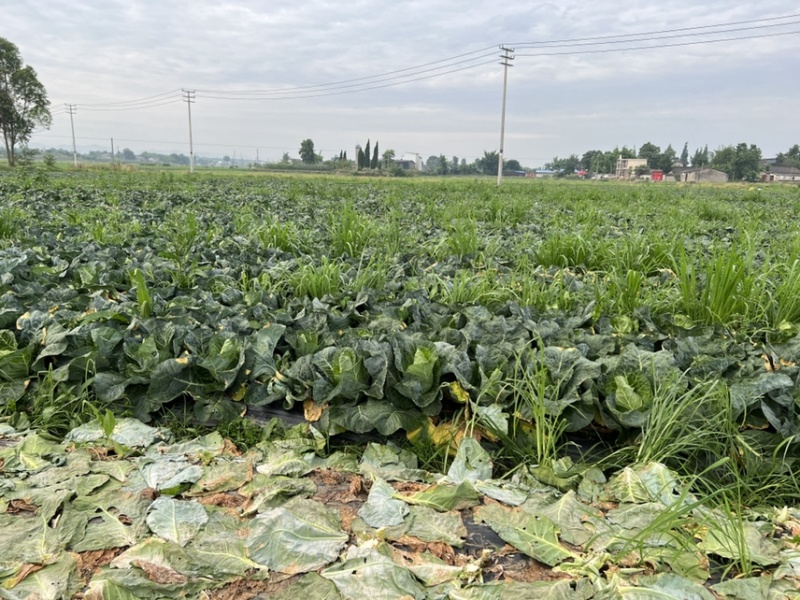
[(110, 54)]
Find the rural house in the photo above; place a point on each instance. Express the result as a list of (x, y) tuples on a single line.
[(627, 166), (776, 173), (701, 176)]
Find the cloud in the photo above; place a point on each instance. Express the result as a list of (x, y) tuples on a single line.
[(88, 52)]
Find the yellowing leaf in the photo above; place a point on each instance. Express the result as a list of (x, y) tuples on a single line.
[(459, 393), (312, 410)]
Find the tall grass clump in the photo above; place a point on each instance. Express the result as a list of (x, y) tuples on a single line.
[(467, 287), (723, 288), (11, 219), (462, 239), (350, 231), (282, 236), (566, 250), (317, 280)]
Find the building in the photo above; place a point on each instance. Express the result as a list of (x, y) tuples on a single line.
[(626, 167), (776, 173), (407, 165), (699, 175)]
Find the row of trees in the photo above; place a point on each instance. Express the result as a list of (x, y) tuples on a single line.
[(485, 165), (741, 162)]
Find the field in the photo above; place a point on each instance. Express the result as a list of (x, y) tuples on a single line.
[(599, 380)]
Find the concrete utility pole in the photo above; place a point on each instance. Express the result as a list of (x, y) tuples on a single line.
[(189, 98), (72, 109), (506, 57), (112, 152)]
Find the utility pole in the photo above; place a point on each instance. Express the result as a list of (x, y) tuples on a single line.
[(189, 98), (506, 57), (112, 152), (72, 109)]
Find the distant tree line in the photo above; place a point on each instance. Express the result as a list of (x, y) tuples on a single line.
[(741, 162)]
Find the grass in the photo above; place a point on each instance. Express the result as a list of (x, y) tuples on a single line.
[(316, 280)]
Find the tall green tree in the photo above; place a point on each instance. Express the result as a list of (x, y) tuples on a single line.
[(443, 166), (666, 159), (23, 100), (487, 164), (367, 155), (700, 158), (652, 153), (740, 162), (388, 157), (685, 155), (360, 162), (790, 158), (374, 163), (307, 154)]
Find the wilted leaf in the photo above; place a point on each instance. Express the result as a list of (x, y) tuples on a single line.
[(429, 525), (445, 498), (472, 463), (55, 581), (298, 537), (534, 535), (177, 521), (374, 576), (381, 509)]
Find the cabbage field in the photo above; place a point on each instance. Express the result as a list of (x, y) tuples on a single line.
[(548, 389)]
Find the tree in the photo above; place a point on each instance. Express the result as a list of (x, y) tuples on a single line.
[(443, 164), (592, 160), (700, 158), (790, 158), (432, 163), (374, 164), (652, 153), (740, 162), (388, 156), (512, 165), (666, 159), (488, 163), (23, 100), (367, 154), (307, 154), (566, 166), (128, 154), (360, 160), (685, 155)]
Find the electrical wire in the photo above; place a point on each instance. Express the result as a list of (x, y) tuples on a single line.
[(470, 59), (623, 35), (144, 100), (659, 46), (369, 77), (360, 87), (648, 37), (131, 107)]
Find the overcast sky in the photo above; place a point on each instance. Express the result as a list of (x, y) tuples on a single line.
[(101, 52)]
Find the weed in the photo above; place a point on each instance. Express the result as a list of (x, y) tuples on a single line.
[(350, 231), (317, 280)]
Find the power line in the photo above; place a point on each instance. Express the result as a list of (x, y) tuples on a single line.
[(650, 37), (623, 35), (133, 107), (659, 46), (153, 98), (369, 77), (363, 89), (470, 59)]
